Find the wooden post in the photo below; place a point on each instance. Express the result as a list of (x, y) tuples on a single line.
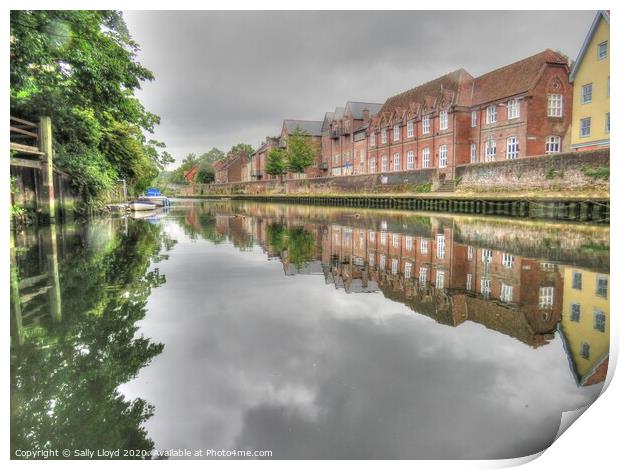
[(54, 278), (46, 198)]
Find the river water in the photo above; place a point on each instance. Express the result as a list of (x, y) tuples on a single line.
[(304, 332)]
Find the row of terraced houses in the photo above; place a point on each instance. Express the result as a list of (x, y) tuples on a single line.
[(524, 109)]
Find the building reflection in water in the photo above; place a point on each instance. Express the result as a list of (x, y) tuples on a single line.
[(449, 269)]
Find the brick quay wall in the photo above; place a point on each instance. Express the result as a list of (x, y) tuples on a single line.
[(565, 172)]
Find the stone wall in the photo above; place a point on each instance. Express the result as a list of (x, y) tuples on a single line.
[(401, 182), (559, 172), (576, 171)]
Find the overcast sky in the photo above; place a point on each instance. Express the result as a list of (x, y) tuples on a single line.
[(227, 77)]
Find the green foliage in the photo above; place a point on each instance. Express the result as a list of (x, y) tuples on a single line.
[(596, 172), (277, 162), (300, 151), (241, 148), (80, 68), (66, 375), (206, 174)]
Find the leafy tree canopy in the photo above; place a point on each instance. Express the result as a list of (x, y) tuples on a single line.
[(80, 68), (276, 162), (301, 151)]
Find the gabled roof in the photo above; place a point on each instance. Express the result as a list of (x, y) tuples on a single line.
[(510, 80), (312, 128), (327, 120), (339, 112), (600, 15), (355, 109), (452, 81)]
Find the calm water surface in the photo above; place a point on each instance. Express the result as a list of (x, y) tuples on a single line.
[(308, 332)]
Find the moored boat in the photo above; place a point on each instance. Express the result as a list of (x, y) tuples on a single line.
[(141, 206)]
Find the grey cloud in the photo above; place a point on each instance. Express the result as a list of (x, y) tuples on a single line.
[(354, 376), (224, 77)]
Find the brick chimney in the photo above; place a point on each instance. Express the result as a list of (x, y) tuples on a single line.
[(366, 115)]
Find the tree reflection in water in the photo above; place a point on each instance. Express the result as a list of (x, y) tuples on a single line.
[(65, 373)]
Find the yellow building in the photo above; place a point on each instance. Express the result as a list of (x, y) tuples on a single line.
[(590, 79), (585, 323)]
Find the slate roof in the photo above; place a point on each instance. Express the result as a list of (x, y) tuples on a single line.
[(451, 81), (312, 128), (461, 89), (356, 109), (518, 77)]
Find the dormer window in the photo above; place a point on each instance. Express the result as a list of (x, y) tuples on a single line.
[(426, 124), (491, 114), (443, 120), (513, 109), (410, 128)]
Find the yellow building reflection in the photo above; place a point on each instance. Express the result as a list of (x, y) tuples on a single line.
[(585, 323)]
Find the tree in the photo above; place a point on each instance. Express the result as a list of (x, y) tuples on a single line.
[(276, 162), (241, 148), (80, 68), (301, 151)]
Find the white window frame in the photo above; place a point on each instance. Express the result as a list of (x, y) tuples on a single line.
[(555, 105), (424, 246), (385, 164), (396, 161), (373, 165), (505, 294), (586, 93), (607, 123), (486, 255), (440, 277), (514, 109), (443, 156), (426, 124), (410, 160), (545, 297), (373, 139), (383, 238), (443, 120), (396, 132), (508, 261), (422, 278), (394, 266), (384, 136), (395, 240), (512, 147), (441, 246), (407, 271), (605, 50), (470, 252), (474, 118), (410, 128), (473, 153), (490, 151), (485, 287), (469, 281), (583, 121), (553, 144), (408, 243), (382, 261), (426, 157), (491, 114)]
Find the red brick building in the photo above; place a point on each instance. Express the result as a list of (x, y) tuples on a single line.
[(232, 169), (258, 160), (312, 130), (457, 119), (343, 141)]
